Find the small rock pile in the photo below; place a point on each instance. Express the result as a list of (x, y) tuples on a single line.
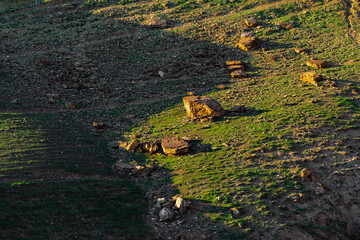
[(169, 209), (236, 69), (136, 171), (169, 145)]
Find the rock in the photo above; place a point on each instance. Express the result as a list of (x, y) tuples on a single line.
[(235, 211), (131, 147), (161, 74), (53, 95), (306, 172), (251, 22), (174, 146), (156, 22), (150, 147), (99, 125), (248, 43), (202, 106), (122, 144), (300, 50), (247, 34), (230, 63), (161, 200), (124, 167), (238, 74), (236, 67), (313, 100), (285, 25), (166, 214), (328, 83), (221, 87), (77, 64), (70, 105), (311, 77), (140, 171), (317, 63)]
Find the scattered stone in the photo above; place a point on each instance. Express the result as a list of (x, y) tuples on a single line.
[(172, 146), (230, 63), (313, 100), (77, 64), (70, 105), (320, 189), (305, 172), (311, 77), (247, 34), (141, 171), (191, 93), (317, 63), (251, 22), (131, 147), (313, 178), (202, 106), (53, 95), (236, 67), (248, 43), (166, 214), (221, 87), (156, 22), (124, 167), (238, 74), (161, 200), (286, 25), (328, 83), (300, 50), (235, 211), (122, 144), (150, 147), (205, 127), (161, 74), (99, 125)]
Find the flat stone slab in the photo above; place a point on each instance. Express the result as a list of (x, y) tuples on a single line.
[(202, 106), (239, 74), (248, 43), (230, 63), (172, 146), (317, 64), (236, 67), (311, 77)]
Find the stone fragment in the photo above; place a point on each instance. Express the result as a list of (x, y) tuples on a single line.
[(238, 74), (311, 77), (235, 211), (202, 106), (248, 43), (236, 67), (53, 95), (161, 200), (221, 87), (180, 204), (166, 214), (131, 147), (77, 64), (317, 63), (286, 25), (251, 22), (157, 23), (150, 147), (247, 34), (174, 146), (141, 171), (305, 172), (328, 83), (70, 105), (300, 50), (123, 144), (230, 63), (124, 167), (99, 125)]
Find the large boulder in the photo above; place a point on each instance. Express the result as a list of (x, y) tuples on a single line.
[(172, 146), (202, 106)]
